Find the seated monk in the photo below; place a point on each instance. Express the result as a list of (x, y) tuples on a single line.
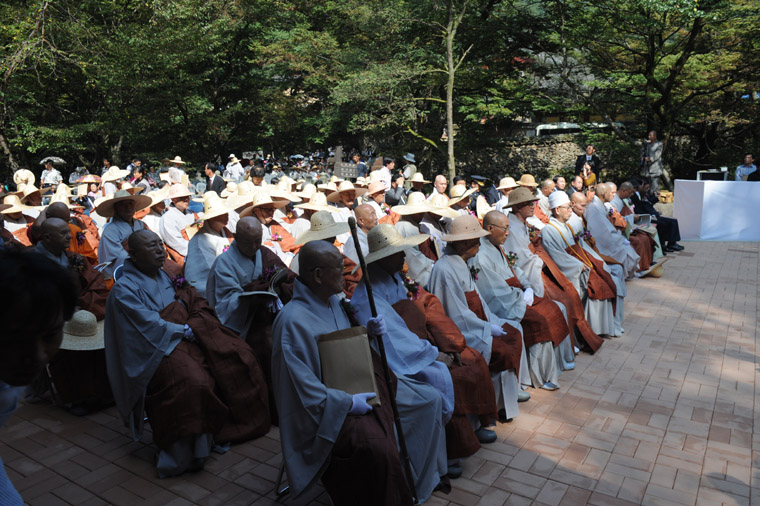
[(499, 340), (170, 357), (79, 243), (327, 433), (324, 228), (273, 235), (15, 220), (247, 267), (425, 344), (366, 220), (78, 376), (211, 240), (508, 293), (173, 222), (121, 209)]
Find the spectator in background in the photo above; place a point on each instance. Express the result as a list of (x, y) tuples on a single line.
[(397, 194), (559, 183), (589, 166), (361, 167), (748, 167), (213, 181), (576, 185)]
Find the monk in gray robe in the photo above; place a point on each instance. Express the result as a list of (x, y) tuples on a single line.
[(326, 433), (169, 356), (121, 208)]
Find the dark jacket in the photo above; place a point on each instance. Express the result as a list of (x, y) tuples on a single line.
[(218, 186)]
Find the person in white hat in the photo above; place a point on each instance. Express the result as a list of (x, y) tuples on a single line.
[(157, 207), (211, 240), (317, 202), (438, 219), (498, 339), (169, 357), (121, 208), (112, 178), (234, 170), (409, 356), (417, 181), (14, 218), (274, 236), (366, 220), (375, 198), (420, 259), (248, 267), (578, 225), (460, 199), (506, 185), (345, 199), (559, 241), (508, 293), (331, 435), (175, 219)]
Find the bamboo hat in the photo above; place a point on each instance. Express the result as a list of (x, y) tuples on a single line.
[(307, 191), (317, 202), (12, 204), (114, 174), (230, 189), (323, 226), (83, 332), (23, 176), (384, 240), (178, 191), (105, 207), (345, 186), (508, 182), (439, 205), (415, 204), (464, 227), (527, 180), (178, 159), (262, 199), (458, 193), (418, 178), (520, 196), (375, 187), (213, 205)]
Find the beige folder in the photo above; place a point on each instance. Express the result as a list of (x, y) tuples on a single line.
[(347, 362)]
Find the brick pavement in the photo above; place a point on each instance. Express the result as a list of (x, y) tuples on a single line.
[(663, 415)]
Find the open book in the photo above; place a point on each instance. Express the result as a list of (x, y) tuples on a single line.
[(274, 283), (347, 362)]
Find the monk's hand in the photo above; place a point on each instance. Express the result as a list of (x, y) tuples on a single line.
[(528, 296), (274, 305), (189, 335), (457, 358), (376, 326), (445, 358), (497, 331), (359, 404)]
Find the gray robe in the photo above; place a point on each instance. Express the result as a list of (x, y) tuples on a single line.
[(172, 223), (110, 248), (609, 240), (202, 251), (530, 263), (419, 265)]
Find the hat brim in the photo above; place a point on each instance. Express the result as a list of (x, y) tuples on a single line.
[(465, 237), (392, 249), (507, 187), (279, 194), (105, 209), (214, 213), (407, 210), (461, 197), (85, 343), (248, 211), (424, 181), (444, 212), (522, 201), (316, 207), (106, 178), (12, 209), (335, 196), (527, 185), (336, 229)]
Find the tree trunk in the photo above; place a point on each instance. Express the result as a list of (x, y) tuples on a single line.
[(450, 101), (8, 153)]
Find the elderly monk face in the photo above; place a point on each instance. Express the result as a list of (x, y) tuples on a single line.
[(467, 248), (378, 197), (146, 250), (248, 236), (182, 203), (264, 213), (563, 212), (417, 186), (124, 210), (547, 188), (440, 183), (217, 223), (347, 198), (55, 235), (613, 191), (35, 199), (393, 263), (524, 210), (497, 224), (366, 217), (579, 203)]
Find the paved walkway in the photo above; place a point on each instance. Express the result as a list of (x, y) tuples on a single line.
[(663, 415)]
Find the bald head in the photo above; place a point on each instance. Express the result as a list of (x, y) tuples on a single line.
[(602, 190), (320, 267), (55, 235), (496, 224), (366, 217), (146, 250), (58, 210), (248, 235), (493, 218), (579, 202)]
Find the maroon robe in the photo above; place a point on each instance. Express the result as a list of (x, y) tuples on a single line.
[(505, 351)]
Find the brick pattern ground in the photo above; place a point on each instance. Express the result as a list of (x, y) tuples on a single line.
[(663, 415)]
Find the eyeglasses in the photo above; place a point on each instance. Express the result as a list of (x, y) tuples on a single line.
[(505, 229), (565, 206)]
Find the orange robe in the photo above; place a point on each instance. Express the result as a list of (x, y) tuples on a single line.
[(80, 246)]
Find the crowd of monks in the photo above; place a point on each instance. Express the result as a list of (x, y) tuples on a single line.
[(210, 322)]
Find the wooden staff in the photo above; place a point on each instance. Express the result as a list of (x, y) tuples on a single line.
[(384, 359)]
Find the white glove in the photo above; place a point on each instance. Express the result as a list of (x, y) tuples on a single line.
[(189, 335), (359, 404), (528, 296), (376, 326), (274, 305), (497, 331), (627, 242)]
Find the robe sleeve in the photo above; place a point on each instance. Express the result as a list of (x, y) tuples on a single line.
[(503, 300), (223, 290), (110, 248)]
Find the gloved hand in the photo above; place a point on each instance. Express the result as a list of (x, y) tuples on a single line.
[(274, 305), (359, 404), (497, 331), (376, 326), (528, 296), (189, 335), (626, 242)]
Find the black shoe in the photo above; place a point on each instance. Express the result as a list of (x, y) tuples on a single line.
[(454, 472), (677, 246), (503, 416), (670, 249), (485, 436)]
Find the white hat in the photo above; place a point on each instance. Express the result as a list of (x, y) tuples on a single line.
[(262, 199), (114, 174), (415, 204), (418, 178), (105, 208), (345, 186), (213, 205), (317, 202), (177, 159), (376, 187), (23, 176), (384, 240), (557, 199), (323, 226), (439, 205), (177, 191), (464, 227), (507, 182), (459, 192)]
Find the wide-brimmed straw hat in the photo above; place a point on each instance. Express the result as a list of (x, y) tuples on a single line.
[(283, 191), (317, 202), (327, 188), (262, 199), (508, 182), (519, 196), (464, 227), (527, 180), (63, 199), (178, 191), (114, 173), (177, 159), (63, 189), (13, 205), (361, 182), (375, 187), (384, 240), (345, 186), (439, 205), (105, 208), (83, 332), (213, 205), (482, 207), (243, 195), (134, 190), (323, 226), (458, 193), (418, 178), (27, 191), (230, 189), (24, 176), (415, 204), (307, 191), (157, 196)]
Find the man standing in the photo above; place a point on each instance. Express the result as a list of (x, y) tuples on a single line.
[(361, 167), (588, 166), (50, 176), (651, 165), (385, 172), (410, 169), (748, 167), (667, 228), (214, 183), (234, 170)]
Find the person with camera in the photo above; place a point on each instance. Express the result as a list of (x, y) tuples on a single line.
[(588, 166)]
